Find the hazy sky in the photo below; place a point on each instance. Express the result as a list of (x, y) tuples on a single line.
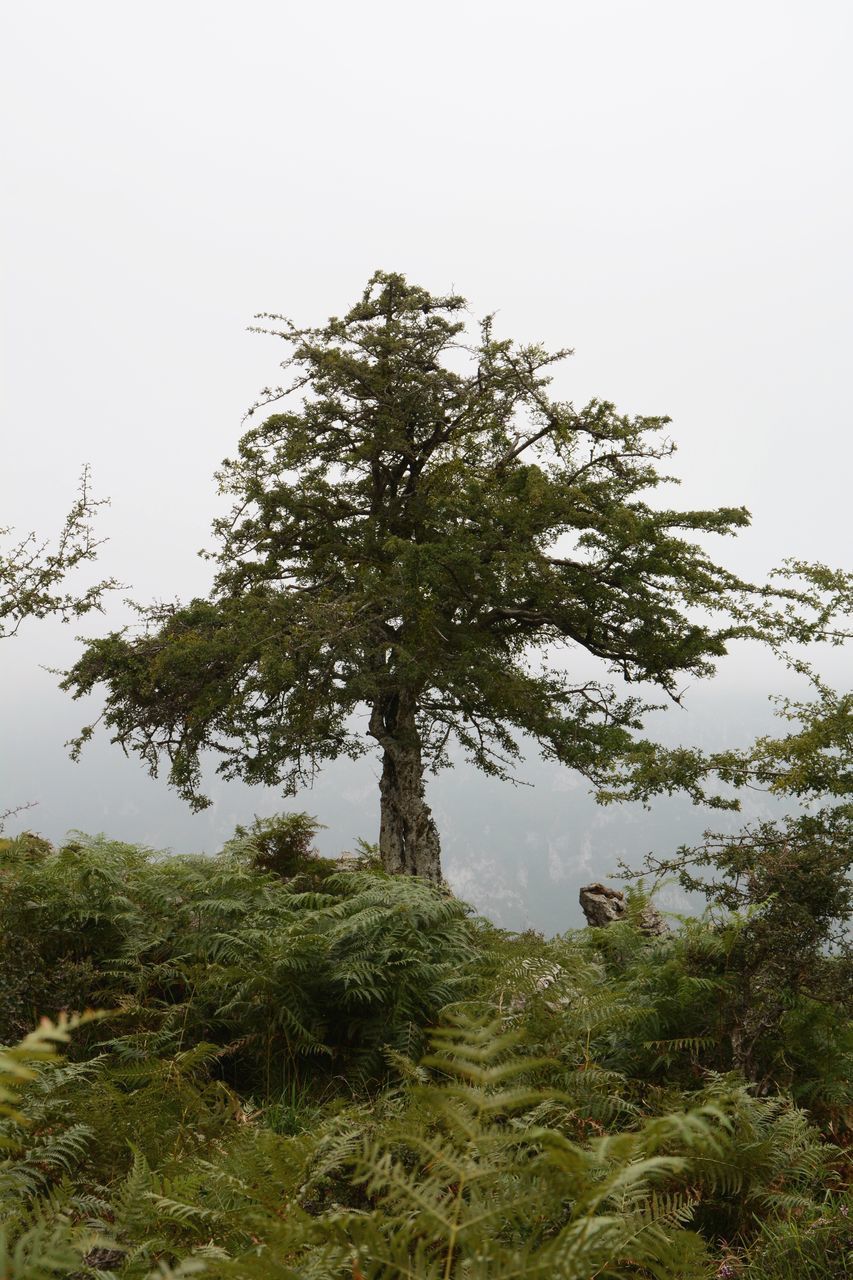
[(666, 187)]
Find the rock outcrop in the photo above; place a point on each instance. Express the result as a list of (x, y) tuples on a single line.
[(602, 905)]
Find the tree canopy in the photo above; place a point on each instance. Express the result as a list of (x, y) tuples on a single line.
[(421, 538)]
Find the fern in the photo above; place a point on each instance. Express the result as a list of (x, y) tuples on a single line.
[(38, 1237), (469, 1182), (256, 1105)]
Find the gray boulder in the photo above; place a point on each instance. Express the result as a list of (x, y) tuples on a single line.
[(602, 905)]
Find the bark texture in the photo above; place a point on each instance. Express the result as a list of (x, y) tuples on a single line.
[(409, 842)]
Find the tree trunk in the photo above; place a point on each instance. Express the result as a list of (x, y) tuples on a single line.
[(409, 843)]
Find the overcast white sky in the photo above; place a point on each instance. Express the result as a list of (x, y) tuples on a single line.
[(665, 186)]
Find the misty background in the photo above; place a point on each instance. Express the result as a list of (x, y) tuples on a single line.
[(664, 187)]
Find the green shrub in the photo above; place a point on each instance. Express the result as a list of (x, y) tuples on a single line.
[(196, 949), (282, 845), (253, 1103)]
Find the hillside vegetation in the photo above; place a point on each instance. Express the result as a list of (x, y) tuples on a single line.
[(301, 1068)]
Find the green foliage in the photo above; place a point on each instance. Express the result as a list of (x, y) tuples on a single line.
[(34, 577), (38, 1237), (32, 574), (17, 1064), (259, 1105), (787, 883), (198, 949), (402, 541), (817, 1245), (283, 844), (471, 1182)]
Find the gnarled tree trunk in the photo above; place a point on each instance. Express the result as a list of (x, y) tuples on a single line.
[(409, 843)]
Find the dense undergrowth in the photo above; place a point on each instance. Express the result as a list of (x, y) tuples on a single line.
[(301, 1070)]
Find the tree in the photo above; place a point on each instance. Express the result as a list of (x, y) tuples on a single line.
[(405, 542), (33, 576), (788, 883)]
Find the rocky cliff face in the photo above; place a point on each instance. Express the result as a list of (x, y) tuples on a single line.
[(602, 905)]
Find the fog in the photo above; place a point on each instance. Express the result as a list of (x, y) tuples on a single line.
[(663, 187)]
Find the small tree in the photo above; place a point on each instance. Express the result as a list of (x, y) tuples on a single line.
[(406, 540), (33, 576), (789, 882)]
